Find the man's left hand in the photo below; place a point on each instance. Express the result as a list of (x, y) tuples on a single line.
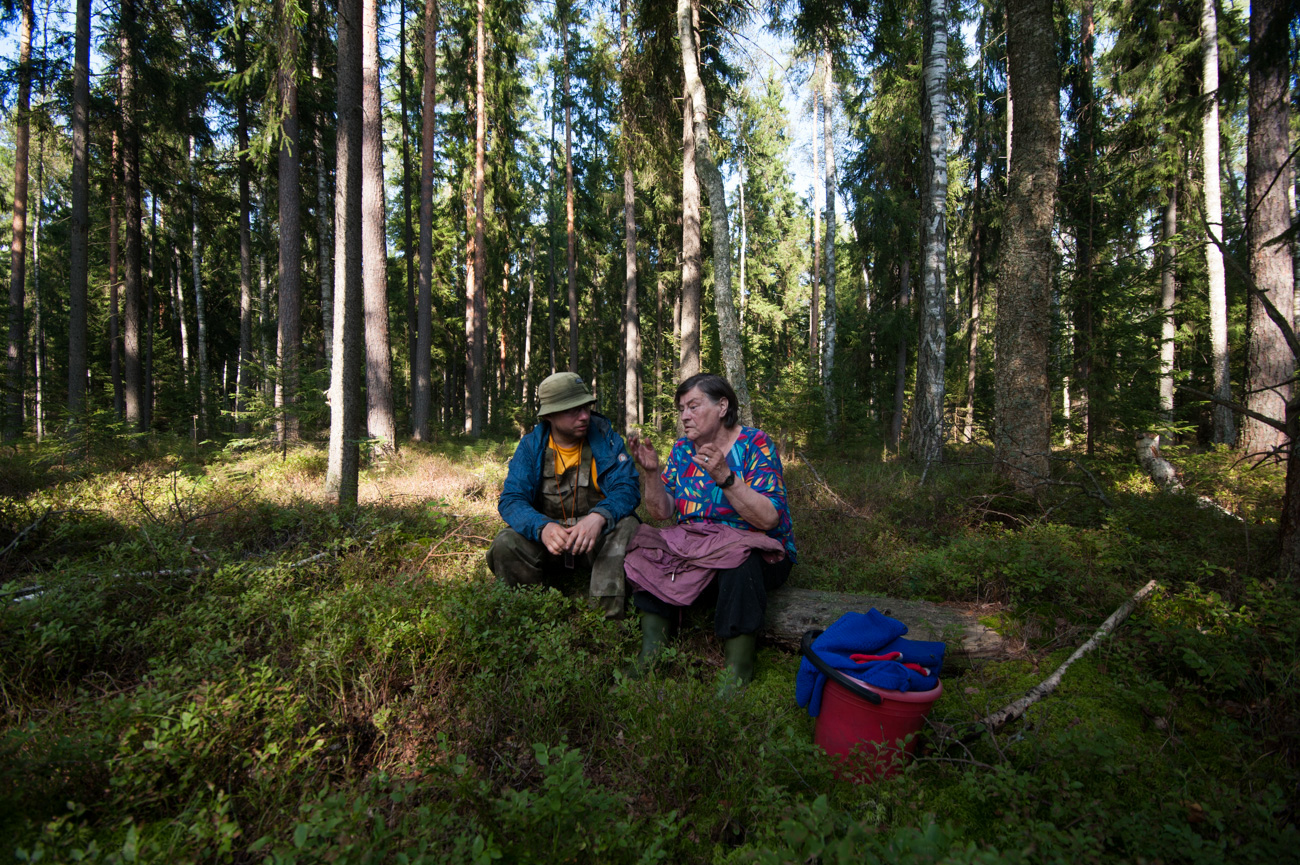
[(583, 536)]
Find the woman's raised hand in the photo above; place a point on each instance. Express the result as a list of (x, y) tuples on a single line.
[(643, 451)]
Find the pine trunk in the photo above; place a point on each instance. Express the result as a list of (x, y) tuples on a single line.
[(289, 337), (379, 360), (196, 267), (18, 248), (814, 310), (733, 355), (421, 407), (570, 226), (1022, 437), (692, 251), (1270, 364), (476, 411), (134, 390), (341, 478), (79, 264), (631, 318)]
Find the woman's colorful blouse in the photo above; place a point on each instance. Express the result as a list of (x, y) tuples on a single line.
[(698, 499)]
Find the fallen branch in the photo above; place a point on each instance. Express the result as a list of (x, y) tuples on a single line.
[(25, 532), (1001, 717), (852, 510)]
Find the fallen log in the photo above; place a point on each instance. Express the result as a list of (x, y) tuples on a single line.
[(791, 612)]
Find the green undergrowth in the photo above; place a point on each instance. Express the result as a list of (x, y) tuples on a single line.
[(201, 660)]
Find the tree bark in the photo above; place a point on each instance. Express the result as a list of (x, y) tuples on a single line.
[(134, 391), (829, 313), (408, 256), (379, 360), (926, 439), (1270, 364), (196, 267), (424, 329), (341, 478), (324, 229), (1225, 431), (1168, 290), (732, 350), (631, 318), (289, 337), (900, 362), (114, 254), (688, 363), (570, 226), (18, 247), (79, 263), (814, 311), (1022, 398), (479, 297)]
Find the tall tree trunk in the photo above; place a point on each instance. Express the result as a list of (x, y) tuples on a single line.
[(631, 317), (424, 328), (1168, 289), (324, 213), (688, 324), (38, 328), (570, 226), (289, 337), (196, 264), (900, 362), (829, 314), (550, 243), (926, 440), (525, 389), (178, 304), (341, 477), (379, 360), (134, 391), (977, 243), (1023, 398), (408, 256), (1270, 364), (17, 269), (659, 344), (242, 372), (114, 254), (1079, 203), (151, 308), (733, 356), (264, 317), (814, 309), (79, 264), (479, 288), (1225, 431)]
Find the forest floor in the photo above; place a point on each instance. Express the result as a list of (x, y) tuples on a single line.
[(202, 660)]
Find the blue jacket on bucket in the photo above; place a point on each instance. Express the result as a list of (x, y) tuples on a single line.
[(615, 474)]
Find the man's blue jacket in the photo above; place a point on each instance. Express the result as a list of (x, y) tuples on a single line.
[(615, 474)]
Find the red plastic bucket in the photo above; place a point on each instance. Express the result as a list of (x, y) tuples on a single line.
[(869, 741)]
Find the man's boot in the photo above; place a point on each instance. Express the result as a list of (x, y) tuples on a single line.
[(739, 653), (656, 630)]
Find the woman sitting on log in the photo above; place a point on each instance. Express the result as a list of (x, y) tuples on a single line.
[(733, 542)]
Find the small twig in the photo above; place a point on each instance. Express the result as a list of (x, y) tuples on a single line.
[(827, 487), (1008, 713), (18, 539)]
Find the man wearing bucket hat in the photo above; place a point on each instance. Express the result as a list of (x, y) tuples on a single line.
[(568, 498)]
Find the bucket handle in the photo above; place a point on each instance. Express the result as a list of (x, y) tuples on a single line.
[(831, 673)]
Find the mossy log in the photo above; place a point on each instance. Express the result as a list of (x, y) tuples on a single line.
[(791, 612)]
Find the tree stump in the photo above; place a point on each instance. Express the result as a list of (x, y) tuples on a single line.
[(791, 612)]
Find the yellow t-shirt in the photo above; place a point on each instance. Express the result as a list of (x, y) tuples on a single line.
[(567, 457)]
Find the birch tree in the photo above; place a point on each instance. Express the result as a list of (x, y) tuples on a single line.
[(1225, 430), (926, 441)]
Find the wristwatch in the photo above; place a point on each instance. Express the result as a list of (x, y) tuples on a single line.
[(731, 479)]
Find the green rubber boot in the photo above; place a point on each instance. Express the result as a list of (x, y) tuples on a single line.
[(739, 653), (655, 633)]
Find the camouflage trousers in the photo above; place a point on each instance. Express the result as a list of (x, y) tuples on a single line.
[(518, 561)]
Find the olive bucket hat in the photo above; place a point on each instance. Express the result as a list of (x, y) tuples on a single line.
[(561, 392)]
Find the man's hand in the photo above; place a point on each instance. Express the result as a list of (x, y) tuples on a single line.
[(583, 536), (556, 538)]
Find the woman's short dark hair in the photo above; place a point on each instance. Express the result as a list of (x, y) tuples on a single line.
[(715, 387)]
